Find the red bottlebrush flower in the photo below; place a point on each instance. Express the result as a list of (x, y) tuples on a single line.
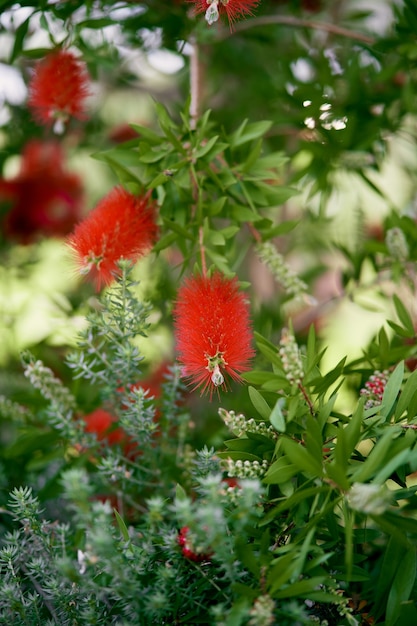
[(213, 332), (233, 9), (188, 549), (122, 226), (58, 88), (45, 199), (100, 422), (122, 133)]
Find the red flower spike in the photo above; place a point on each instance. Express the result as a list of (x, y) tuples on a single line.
[(121, 226), (233, 9), (213, 332), (58, 89), (45, 199)]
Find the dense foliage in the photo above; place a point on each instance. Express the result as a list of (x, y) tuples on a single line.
[(208, 392)]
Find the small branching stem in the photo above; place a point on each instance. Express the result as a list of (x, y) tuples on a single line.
[(307, 399)]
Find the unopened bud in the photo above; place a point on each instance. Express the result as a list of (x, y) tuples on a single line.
[(212, 13)]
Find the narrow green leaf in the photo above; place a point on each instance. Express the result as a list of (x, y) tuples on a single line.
[(403, 315), (276, 417), (301, 588), (164, 242), (392, 389), (235, 455), (121, 525), (281, 471), (250, 132), (401, 587), (259, 403), (146, 133), (95, 24), (19, 38), (377, 457), (409, 390), (177, 228), (204, 149), (389, 468), (292, 501), (302, 458), (280, 572)]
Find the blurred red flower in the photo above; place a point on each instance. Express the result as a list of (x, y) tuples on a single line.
[(58, 88), (233, 9), (189, 551), (45, 198), (121, 226), (213, 331), (101, 423), (104, 424)]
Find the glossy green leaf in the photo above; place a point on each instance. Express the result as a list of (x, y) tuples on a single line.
[(259, 402), (401, 587), (392, 389), (276, 416), (301, 458)]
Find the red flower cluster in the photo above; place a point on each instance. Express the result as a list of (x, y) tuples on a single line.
[(45, 198), (213, 332), (374, 388), (188, 549), (122, 226), (58, 88), (233, 9)]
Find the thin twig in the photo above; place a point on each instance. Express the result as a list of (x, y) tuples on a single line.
[(202, 250), (288, 20), (195, 85)]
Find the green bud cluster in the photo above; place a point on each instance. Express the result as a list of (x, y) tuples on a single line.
[(290, 357), (283, 274), (246, 469), (239, 424), (397, 244)]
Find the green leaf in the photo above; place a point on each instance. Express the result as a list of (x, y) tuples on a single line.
[(219, 261), (301, 588), (287, 504), (338, 475), (122, 526), (235, 455), (298, 455), (276, 417), (259, 403), (247, 132), (280, 572), (281, 471), (403, 316), (204, 149), (146, 133), (164, 242), (177, 228), (377, 457), (389, 468), (19, 38), (406, 396), (392, 389), (401, 587), (96, 24), (180, 493)]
